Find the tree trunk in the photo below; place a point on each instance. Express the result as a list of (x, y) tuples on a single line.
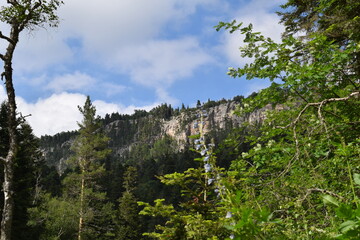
[(81, 218), (8, 185), (8, 188), (7, 214)]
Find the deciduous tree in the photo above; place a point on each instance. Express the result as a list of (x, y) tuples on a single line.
[(310, 147)]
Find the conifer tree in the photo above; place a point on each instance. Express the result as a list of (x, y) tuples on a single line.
[(128, 226), (90, 148), (27, 162)]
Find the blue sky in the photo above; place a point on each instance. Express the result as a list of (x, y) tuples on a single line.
[(133, 54)]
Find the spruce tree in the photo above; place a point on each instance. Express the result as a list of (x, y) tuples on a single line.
[(128, 226)]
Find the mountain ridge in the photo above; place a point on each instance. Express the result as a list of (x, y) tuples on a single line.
[(127, 131)]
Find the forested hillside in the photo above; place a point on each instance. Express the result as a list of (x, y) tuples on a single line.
[(148, 144), (128, 133), (283, 163)]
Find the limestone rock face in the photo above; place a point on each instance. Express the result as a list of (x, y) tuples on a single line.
[(216, 118)]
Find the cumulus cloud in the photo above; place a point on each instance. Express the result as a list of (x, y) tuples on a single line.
[(74, 81), (41, 49), (60, 112), (261, 14), (160, 63), (55, 114), (115, 34), (105, 26)]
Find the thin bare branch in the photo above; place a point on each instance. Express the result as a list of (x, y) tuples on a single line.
[(37, 5), (319, 105), (6, 38), (23, 118), (2, 160), (311, 190), (12, 2)]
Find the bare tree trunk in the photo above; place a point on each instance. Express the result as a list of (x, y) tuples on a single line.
[(8, 185), (8, 188), (7, 215)]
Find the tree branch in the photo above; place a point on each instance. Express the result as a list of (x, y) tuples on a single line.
[(311, 190), (29, 15), (6, 38), (12, 2), (38, 4), (319, 105), (2, 160), (301, 96), (23, 118)]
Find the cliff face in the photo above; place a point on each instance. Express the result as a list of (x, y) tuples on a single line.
[(218, 118), (126, 133)]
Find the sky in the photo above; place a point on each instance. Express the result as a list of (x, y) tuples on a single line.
[(133, 54)]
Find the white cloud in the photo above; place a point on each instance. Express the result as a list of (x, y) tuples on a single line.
[(41, 49), (102, 108), (160, 63), (113, 89), (75, 81), (164, 97), (105, 26), (112, 33), (263, 18), (59, 112), (37, 81), (126, 36), (55, 114)]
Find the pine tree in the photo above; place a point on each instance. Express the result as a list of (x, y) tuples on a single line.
[(90, 148)]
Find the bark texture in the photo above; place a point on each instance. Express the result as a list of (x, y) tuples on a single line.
[(8, 185)]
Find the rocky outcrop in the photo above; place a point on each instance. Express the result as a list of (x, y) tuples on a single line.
[(218, 118)]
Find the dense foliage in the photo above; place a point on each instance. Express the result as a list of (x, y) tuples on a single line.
[(299, 179), (292, 174)]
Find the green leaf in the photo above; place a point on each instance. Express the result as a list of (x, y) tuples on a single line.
[(327, 199), (347, 226), (344, 211), (357, 178)]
